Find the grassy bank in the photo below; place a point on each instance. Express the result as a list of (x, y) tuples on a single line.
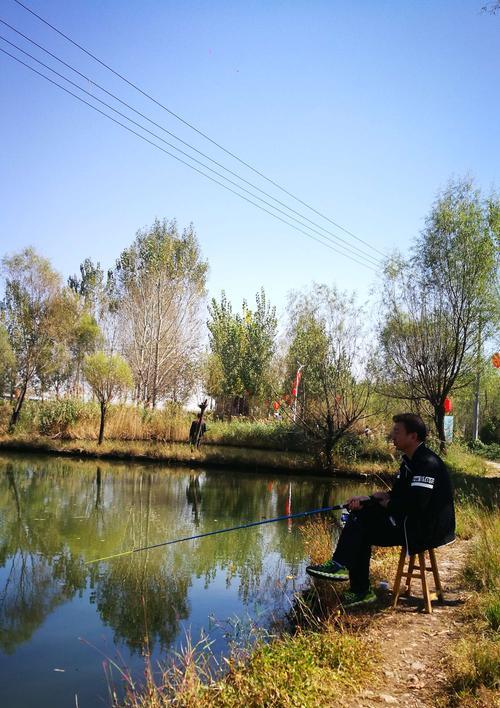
[(73, 419), (475, 660), (70, 427), (325, 653), (308, 669), (167, 453), (462, 463)]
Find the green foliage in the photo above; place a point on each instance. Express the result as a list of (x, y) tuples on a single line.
[(439, 304), (86, 335), (309, 345), (489, 452), (489, 404), (242, 346), (7, 360), (353, 446), (90, 285), (106, 375), (58, 417), (260, 435), (31, 287), (492, 610), (160, 250), (490, 431), (226, 334), (326, 326), (30, 308)]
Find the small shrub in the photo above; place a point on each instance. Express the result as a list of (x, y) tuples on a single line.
[(490, 452), (266, 435), (490, 431), (56, 418)]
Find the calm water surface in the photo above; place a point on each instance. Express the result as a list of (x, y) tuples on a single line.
[(60, 618)]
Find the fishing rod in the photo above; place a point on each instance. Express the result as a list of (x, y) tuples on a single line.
[(213, 533)]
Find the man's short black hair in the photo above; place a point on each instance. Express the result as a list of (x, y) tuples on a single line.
[(413, 423)]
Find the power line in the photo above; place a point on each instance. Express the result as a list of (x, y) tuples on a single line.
[(130, 130), (192, 127), (358, 251), (351, 249)]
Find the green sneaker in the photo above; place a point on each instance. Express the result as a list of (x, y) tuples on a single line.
[(331, 570), (355, 599)]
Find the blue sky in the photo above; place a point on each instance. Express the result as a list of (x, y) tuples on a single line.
[(364, 110)]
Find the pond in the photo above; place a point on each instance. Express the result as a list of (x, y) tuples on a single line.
[(63, 621)]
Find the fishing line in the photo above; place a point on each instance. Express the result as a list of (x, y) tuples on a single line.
[(213, 533)]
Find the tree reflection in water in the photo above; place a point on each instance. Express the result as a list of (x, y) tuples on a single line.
[(56, 514)]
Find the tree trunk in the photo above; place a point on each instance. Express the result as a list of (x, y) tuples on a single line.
[(329, 438), (157, 349), (101, 428), (328, 454), (17, 409), (439, 421), (77, 377)]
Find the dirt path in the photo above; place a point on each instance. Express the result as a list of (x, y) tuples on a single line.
[(493, 468), (412, 644)]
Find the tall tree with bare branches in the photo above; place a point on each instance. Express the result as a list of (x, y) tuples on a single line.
[(159, 284)]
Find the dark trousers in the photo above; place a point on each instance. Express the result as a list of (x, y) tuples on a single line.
[(371, 526)]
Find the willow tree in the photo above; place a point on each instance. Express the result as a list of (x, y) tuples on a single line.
[(107, 376), (158, 285), (442, 302)]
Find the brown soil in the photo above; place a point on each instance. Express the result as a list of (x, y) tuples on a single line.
[(413, 645)]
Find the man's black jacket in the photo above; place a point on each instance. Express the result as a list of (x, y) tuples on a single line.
[(421, 501)]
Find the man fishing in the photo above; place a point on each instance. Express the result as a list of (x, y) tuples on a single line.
[(418, 513)]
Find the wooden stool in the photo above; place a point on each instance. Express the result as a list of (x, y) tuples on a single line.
[(411, 573)]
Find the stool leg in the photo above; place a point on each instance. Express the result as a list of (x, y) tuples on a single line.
[(425, 587), (411, 566), (435, 573), (399, 575)]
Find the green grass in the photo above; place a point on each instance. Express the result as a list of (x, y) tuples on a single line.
[(475, 659), (461, 461), (307, 669), (256, 434), (476, 670), (489, 451)]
